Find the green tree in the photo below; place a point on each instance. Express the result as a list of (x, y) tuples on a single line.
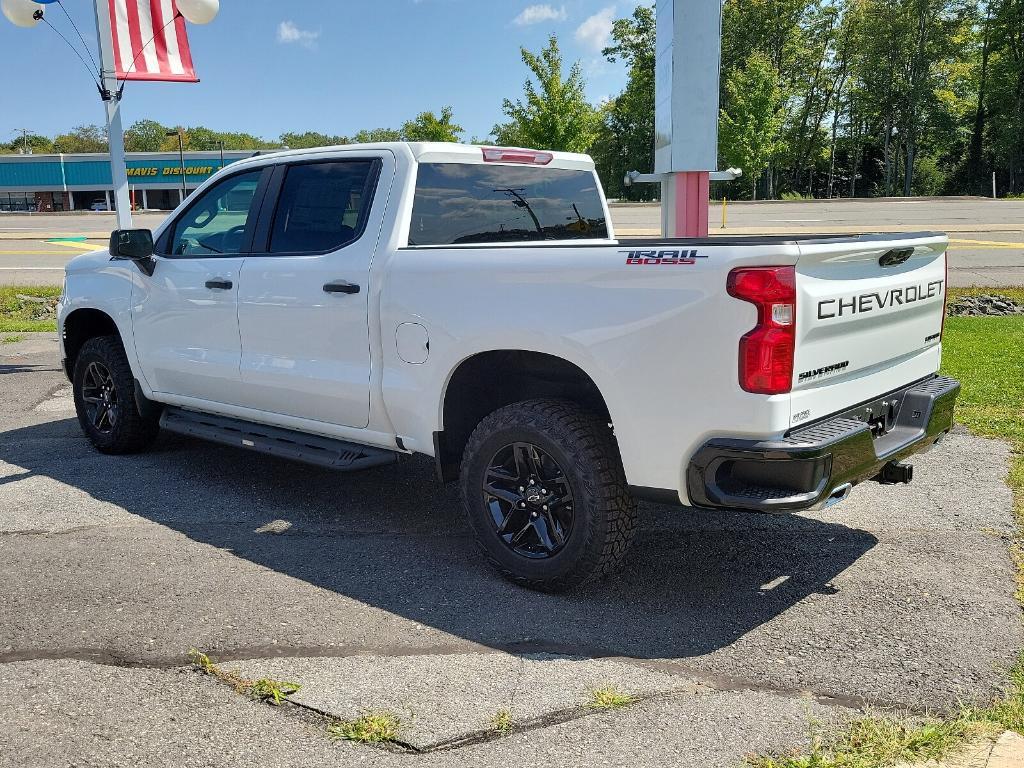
[(429, 127), (145, 136), (201, 139), (83, 138), (1005, 97), (554, 113), (374, 135), (311, 139), (749, 130), (625, 140), (31, 143)]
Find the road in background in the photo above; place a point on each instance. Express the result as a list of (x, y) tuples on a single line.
[(986, 236)]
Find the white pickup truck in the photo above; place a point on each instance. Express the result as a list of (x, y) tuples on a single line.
[(346, 305)]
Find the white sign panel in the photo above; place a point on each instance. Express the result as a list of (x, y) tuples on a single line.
[(689, 48)]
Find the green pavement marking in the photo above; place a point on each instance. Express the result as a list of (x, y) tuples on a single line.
[(66, 240)]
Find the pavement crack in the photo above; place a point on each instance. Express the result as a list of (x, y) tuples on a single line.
[(726, 684), (51, 532)]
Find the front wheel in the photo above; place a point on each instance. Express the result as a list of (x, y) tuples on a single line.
[(546, 496), (104, 390)]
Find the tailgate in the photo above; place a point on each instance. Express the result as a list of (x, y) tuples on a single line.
[(869, 319)]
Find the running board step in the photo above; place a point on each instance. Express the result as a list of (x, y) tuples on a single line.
[(286, 443)]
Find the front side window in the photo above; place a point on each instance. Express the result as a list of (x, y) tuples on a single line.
[(215, 224), (468, 203), (322, 206)]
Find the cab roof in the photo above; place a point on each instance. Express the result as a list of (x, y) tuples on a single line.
[(443, 152)]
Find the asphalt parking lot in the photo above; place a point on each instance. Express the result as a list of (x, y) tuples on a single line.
[(735, 631), (986, 236)]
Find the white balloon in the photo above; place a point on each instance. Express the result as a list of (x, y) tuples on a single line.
[(20, 12), (199, 11)]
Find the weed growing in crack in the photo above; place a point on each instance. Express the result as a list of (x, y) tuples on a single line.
[(274, 692), (609, 697), (502, 721), (371, 727)]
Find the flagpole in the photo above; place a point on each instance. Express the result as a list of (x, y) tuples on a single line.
[(112, 103)]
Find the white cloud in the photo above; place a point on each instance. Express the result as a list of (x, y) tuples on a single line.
[(535, 14), (288, 33), (595, 33)]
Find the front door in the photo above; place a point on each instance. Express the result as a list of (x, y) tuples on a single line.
[(303, 299), (185, 316)]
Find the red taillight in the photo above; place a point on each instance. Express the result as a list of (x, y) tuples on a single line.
[(504, 155), (766, 352)]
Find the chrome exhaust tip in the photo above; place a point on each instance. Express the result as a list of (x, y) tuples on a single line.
[(840, 493)]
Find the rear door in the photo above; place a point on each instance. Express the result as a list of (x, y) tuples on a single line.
[(869, 319), (304, 290)]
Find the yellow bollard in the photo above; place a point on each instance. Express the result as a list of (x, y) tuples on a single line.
[(725, 204)]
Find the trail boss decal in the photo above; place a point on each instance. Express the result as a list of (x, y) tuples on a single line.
[(669, 256), (869, 302)]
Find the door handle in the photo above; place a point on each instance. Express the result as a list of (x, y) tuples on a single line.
[(219, 283), (341, 286)]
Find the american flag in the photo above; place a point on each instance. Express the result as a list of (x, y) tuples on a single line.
[(150, 41)]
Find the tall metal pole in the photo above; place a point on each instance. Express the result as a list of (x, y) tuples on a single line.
[(689, 52), (181, 160), (112, 103)]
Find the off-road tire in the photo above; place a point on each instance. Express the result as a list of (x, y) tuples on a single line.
[(131, 432), (605, 514)]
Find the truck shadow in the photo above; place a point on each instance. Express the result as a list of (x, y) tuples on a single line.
[(393, 538)]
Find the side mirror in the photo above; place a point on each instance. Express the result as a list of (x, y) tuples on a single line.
[(134, 245)]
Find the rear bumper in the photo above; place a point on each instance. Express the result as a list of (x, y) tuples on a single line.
[(816, 464)]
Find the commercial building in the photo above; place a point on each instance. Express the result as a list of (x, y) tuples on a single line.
[(48, 183)]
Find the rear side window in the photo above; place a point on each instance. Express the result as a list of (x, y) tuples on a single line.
[(322, 206), (460, 203)]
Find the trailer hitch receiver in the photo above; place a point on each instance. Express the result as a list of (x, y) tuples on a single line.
[(896, 472)]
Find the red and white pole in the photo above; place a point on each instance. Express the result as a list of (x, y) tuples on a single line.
[(689, 51), (685, 204)]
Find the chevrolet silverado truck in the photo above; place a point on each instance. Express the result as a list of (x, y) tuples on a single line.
[(347, 305)]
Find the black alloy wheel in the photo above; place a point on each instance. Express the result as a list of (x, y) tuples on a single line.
[(530, 500), (100, 397)]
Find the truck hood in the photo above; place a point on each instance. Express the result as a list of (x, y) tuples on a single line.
[(88, 262)]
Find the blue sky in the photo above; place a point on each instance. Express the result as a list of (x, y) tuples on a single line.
[(333, 66)]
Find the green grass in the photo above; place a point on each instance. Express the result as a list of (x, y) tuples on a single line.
[(873, 742), (19, 316), (11, 339), (371, 727), (609, 697), (987, 355)]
